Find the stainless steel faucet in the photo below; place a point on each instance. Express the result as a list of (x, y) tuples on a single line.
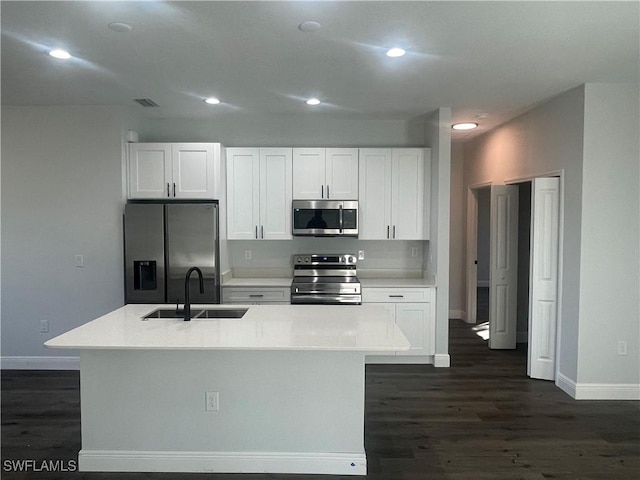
[(187, 302)]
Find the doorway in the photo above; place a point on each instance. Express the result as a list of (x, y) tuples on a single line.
[(513, 253)]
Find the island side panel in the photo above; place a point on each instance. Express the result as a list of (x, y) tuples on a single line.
[(269, 401)]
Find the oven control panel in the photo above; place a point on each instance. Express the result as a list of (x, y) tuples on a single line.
[(324, 259)]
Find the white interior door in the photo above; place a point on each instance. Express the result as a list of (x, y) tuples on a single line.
[(543, 291), (504, 267)]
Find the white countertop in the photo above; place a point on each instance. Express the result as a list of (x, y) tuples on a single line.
[(258, 282), (365, 282), (263, 327)]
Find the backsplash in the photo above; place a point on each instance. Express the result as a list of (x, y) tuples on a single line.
[(272, 258)]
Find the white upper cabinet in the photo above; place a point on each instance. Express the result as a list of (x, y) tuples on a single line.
[(150, 173), (259, 186), (330, 173), (172, 170), (342, 173), (394, 193)]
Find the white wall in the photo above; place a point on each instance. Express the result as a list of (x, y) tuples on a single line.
[(61, 197), (273, 257), (609, 262)]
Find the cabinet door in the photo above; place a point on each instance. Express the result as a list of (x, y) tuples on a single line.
[(275, 193), (149, 170), (374, 193), (342, 173), (407, 202), (309, 180), (242, 193), (414, 319), (193, 170)]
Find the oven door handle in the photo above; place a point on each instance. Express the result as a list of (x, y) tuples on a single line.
[(341, 218)]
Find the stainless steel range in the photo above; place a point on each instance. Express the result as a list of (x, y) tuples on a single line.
[(325, 279)]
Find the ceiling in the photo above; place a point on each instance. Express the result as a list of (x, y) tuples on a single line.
[(497, 59)]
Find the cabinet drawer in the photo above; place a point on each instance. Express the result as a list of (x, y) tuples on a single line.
[(252, 295), (396, 295)]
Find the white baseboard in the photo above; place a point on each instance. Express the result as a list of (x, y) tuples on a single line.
[(598, 391), (441, 360), (399, 359), (223, 462), (457, 314), (40, 363), (484, 283), (522, 337)]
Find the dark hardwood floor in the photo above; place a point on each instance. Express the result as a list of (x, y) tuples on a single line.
[(480, 419)]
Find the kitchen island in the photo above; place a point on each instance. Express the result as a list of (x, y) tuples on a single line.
[(280, 390)]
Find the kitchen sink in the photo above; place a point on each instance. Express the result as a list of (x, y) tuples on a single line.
[(198, 313)]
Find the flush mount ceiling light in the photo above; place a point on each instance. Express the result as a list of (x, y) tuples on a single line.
[(309, 26), (313, 101), (120, 27), (212, 101), (464, 126), (395, 52), (60, 54)]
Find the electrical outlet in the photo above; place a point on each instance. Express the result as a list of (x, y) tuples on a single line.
[(212, 401), (247, 254), (622, 347), (360, 254), (80, 261), (414, 251), (44, 326)]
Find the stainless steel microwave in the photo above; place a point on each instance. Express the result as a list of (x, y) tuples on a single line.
[(325, 218)]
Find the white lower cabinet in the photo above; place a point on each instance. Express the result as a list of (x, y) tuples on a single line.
[(413, 310), (256, 295)]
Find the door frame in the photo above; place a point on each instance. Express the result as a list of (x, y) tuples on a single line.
[(471, 313), (472, 250)]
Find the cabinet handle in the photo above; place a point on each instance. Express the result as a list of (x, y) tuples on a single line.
[(174, 189), (328, 192), (262, 232), (396, 296), (168, 191), (322, 191), (387, 231), (256, 295), (394, 231), (256, 232)]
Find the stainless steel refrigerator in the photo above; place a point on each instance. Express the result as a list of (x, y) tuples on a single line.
[(162, 241)]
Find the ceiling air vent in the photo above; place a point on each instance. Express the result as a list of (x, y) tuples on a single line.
[(146, 102)]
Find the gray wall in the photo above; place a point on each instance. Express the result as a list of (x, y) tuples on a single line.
[(457, 290), (61, 196), (484, 226), (546, 139), (241, 130), (589, 131), (609, 262), (438, 137)]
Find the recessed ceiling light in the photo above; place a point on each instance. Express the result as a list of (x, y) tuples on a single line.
[(60, 54), (464, 126), (313, 101), (120, 27), (212, 101), (395, 52), (309, 26)]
